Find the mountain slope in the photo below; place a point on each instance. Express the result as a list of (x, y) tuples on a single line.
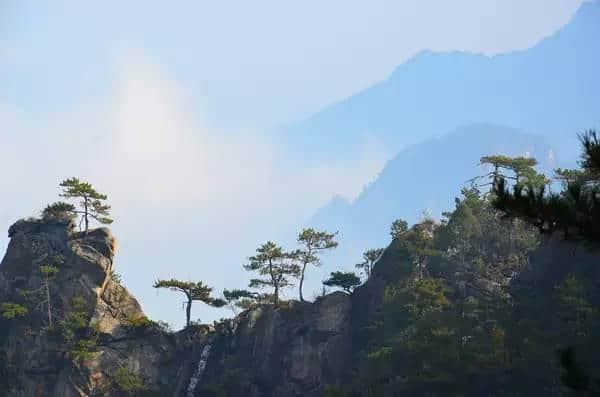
[(550, 89), (427, 176)]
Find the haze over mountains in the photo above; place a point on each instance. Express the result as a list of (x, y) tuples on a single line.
[(551, 89), (523, 103)]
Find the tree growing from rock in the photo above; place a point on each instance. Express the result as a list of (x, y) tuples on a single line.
[(92, 202), (275, 265), (520, 169), (193, 291), (574, 210), (344, 280), (398, 229), (240, 298), (60, 210), (42, 297), (369, 258), (48, 272), (313, 243), (12, 310)]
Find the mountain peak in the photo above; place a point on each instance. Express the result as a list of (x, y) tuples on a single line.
[(585, 23)]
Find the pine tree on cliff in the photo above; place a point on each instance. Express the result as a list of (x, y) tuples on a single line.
[(60, 210), (344, 280), (398, 229), (313, 243), (194, 291), (48, 271), (276, 265), (42, 297), (92, 202), (369, 258), (518, 169), (240, 299), (575, 210)]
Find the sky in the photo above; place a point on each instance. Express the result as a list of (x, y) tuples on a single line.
[(173, 108)]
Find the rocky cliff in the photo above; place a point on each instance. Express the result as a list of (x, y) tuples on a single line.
[(93, 338), (83, 334), (76, 331)]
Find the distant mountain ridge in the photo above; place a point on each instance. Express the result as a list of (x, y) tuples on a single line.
[(552, 89)]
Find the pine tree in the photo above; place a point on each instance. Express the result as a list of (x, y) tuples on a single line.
[(48, 272), (42, 297), (398, 228), (344, 280), (92, 202), (240, 298), (194, 291), (12, 310), (60, 210), (369, 258), (575, 210), (276, 265), (520, 169), (313, 244)]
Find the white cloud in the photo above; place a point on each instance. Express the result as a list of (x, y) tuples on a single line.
[(162, 153)]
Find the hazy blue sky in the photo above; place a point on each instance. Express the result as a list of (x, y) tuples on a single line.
[(170, 108)]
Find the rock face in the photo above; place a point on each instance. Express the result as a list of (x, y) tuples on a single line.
[(101, 344), (94, 340), (94, 346), (288, 351)]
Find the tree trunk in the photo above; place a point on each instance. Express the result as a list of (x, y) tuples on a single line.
[(302, 282), (85, 214), (276, 295), (188, 312), (48, 304)]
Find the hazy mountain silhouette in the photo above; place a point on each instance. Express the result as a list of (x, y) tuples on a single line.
[(551, 89)]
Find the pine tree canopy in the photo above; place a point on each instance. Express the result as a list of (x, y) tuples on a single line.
[(398, 228), (369, 258), (519, 169), (59, 210), (92, 202), (194, 290), (275, 265), (312, 243), (575, 210), (344, 280)]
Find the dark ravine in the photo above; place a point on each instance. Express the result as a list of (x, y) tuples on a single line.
[(299, 349)]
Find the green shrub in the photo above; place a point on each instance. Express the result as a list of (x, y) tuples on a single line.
[(85, 349), (11, 310), (140, 323), (128, 381), (75, 320)]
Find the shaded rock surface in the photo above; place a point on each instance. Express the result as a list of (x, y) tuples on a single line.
[(43, 360), (298, 349), (294, 350)]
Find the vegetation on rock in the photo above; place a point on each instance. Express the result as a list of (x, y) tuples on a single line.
[(313, 243), (92, 202), (193, 291), (370, 257), (11, 310), (344, 280), (275, 265)]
